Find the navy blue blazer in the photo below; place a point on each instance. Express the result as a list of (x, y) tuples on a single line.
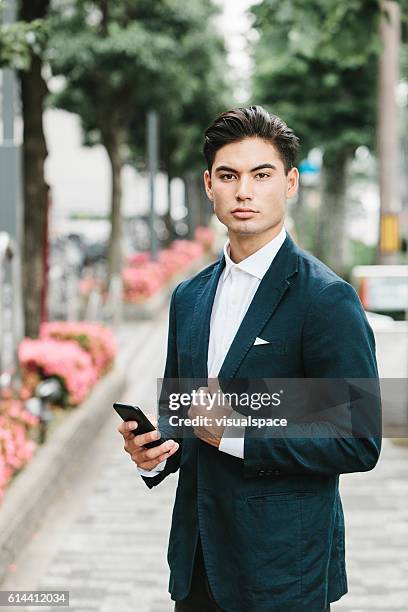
[(271, 524)]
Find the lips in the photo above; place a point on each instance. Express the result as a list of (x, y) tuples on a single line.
[(243, 213)]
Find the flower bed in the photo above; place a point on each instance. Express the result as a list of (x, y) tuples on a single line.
[(16, 446), (143, 278), (95, 339), (75, 353)]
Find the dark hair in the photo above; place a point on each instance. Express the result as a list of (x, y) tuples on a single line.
[(254, 121)]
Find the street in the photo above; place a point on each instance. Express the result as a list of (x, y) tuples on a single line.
[(105, 538)]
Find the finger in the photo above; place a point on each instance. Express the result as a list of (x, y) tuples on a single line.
[(213, 385), (134, 444), (153, 464), (156, 451), (143, 439), (195, 411), (161, 457), (126, 428), (130, 445), (199, 398)]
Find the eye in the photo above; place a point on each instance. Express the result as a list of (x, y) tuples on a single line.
[(262, 175), (227, 177)]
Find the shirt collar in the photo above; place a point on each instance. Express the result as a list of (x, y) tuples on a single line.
[(258, 263)]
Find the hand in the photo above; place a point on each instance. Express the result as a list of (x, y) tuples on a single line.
[(211, 433), (145, 458)]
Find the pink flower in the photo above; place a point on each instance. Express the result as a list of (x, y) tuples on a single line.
[(16, 447), (98, 340), (143, 277), (205, 236), (64, 359), (137, 259)]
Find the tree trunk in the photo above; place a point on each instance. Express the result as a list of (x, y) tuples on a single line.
[(206, 206), (331, 242), (33, 93), (167, 218), (192, 202), (388, 134), (112, 141)]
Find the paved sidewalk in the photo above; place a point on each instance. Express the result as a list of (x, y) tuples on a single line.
[(105, 539), (376, 512)]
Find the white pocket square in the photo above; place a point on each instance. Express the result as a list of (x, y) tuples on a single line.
[(260, 341)]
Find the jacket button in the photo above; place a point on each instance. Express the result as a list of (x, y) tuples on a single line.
[(276, 472), (261, 472)]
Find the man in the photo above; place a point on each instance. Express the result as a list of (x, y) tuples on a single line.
[(257, 522)]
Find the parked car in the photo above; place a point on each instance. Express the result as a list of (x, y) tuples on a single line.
[(383, 289)]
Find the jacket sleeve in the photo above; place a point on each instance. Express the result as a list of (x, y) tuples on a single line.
[(170, 371), (337, 343)]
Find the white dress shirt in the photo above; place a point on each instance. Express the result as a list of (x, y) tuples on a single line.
[(235, 291)]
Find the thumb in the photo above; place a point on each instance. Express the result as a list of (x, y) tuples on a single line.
[(213, 386)]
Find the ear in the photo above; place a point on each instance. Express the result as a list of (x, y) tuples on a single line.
[(292, 182), (208, 185)]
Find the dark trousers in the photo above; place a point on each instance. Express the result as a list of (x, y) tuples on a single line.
[(200, 597)]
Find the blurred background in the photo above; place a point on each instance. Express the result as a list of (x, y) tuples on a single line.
[(103, 212)]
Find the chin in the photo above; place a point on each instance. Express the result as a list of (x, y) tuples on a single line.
[(246, 227)]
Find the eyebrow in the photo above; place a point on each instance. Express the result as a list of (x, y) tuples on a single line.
[(260, 167)]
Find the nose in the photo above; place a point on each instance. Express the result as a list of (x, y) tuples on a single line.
[(244, 189)]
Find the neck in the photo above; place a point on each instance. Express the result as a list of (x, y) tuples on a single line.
[(242, 246)]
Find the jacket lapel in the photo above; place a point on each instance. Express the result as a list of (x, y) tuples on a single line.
[(271, 290), (200, 331)]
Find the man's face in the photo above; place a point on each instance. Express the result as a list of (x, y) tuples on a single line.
[(249, 187)]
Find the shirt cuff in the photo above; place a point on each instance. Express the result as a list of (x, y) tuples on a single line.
[(150, 473), (232, 441)]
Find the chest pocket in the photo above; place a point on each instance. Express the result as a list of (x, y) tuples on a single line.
[(279, 357), (276, 346)]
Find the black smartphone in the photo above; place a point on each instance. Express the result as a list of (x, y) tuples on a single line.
[(134, 413)]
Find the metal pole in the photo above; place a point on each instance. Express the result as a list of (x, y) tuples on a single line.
[(9, 15), (11, 306), (10, 153), (388, 142), (153, 163)]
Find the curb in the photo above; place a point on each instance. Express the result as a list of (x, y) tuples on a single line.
[(32, 490)]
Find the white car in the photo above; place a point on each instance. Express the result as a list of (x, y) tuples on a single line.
[(383, 289)]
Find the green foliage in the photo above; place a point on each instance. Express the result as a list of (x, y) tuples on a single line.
[(19, 41), (362, 254), (202, 69), (121, 59), (182, 139), (110, 70), (316, 65)]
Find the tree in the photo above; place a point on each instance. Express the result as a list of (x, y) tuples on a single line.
[(21, 47), (203, 54), (120, 60), (211, 94), (316, 66)]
